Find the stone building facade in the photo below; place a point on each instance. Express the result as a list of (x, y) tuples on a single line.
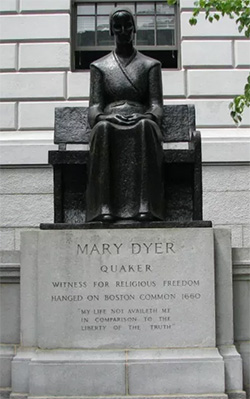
[(36, 76)]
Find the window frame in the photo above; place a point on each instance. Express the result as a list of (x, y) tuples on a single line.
[(108, 48)]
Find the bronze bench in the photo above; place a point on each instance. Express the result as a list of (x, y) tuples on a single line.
[(182, 166)]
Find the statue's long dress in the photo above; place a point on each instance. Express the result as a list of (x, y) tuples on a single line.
[(125, 166)]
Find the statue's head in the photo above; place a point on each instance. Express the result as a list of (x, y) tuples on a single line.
[(122, 25)]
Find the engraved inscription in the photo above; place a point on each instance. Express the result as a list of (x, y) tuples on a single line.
[(147, 317), (135, 248), (106, 290)]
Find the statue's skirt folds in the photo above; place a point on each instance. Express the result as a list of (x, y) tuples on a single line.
[(125, 171)]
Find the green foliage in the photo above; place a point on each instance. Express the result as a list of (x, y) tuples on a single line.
[(235, 9), (240, 102), (215, 9)]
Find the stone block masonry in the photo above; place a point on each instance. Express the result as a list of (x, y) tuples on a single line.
[(35, 43), (242, 54), (226, 28), (205, 83), (35, 27), (35, 36), (44, 5), (207, 53), (33, 85), (8, 120), (44, 56), (8, 57), (8, 6), (41, 115), (37, 76)]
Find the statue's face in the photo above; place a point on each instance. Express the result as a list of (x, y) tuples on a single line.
[(123, 27)]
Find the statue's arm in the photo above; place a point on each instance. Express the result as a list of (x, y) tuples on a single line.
[(155, 108), (96, 96), (97, 102)]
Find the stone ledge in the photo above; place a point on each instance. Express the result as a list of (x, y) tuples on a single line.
[(125, 225), (10, 274), (199, 396), (52, 365), (7, 352), (10, 267), (241, 263), (31, 147)]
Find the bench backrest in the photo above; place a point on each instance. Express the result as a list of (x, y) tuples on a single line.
[(71, 124)]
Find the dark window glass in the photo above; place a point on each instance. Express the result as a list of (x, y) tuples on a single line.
[(104, 9), (145, 8), (131, 6), (86, 9), (103, 36), (155, 24), (165, 31), (164, 8), (85, 31), (145, 31)]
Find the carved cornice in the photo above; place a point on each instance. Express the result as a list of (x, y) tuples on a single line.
[(241, 264), (10, 274), (10, 267)]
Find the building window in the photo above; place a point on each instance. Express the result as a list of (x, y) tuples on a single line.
[(156, 36)]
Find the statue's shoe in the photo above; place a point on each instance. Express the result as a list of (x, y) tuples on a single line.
[(106, 218), (145, 217)]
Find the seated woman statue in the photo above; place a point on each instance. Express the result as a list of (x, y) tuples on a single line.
[(125, 167)]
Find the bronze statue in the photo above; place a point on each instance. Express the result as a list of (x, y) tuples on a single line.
[(125, 167)]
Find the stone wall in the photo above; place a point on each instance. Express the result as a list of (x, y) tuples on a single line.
[(27, 201), (36, 77)]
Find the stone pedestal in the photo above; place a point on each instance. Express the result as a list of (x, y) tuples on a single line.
[(9, 316), (124, 313), (241, 289)]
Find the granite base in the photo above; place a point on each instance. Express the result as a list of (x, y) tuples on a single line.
[(120, 373), (126, 314)]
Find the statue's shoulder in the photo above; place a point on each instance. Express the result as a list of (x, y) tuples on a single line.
[(103, 63), (148, 61)]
